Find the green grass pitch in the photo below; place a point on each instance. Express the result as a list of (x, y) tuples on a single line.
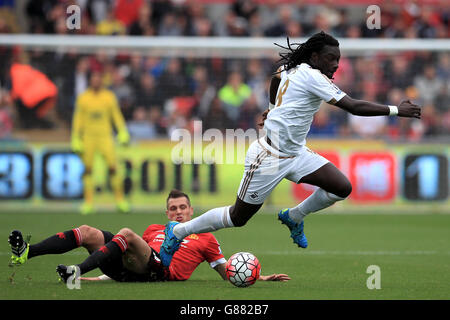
[(412, 251)]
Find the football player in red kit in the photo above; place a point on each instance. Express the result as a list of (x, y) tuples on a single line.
[(128, 257)]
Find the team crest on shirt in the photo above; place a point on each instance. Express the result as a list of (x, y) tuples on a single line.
[(193, 237)]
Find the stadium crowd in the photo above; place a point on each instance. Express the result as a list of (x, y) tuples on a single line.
[(158, 95)]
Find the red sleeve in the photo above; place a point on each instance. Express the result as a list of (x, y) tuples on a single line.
[(212, 251), (148, 233)]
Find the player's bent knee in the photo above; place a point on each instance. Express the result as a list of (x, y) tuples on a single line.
[(344, 190), (88, 233), (127, 233), (238, 221)]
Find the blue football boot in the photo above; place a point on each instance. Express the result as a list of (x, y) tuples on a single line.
[(296, 229), (170, 244)]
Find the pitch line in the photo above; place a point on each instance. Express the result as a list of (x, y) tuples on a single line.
[(355, 253)]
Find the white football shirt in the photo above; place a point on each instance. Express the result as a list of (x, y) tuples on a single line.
[(300, 92)]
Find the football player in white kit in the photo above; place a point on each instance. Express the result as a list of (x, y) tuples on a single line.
[(296, 92)]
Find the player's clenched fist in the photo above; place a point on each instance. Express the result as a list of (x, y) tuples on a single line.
[(409, 110)]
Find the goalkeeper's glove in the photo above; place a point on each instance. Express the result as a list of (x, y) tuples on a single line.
[(123, 137), (76, 144)]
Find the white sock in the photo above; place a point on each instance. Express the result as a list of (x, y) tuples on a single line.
[(319, 200), (211, 220)]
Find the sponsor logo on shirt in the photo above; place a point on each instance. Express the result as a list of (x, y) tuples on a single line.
[(338, 91), (254, 195)]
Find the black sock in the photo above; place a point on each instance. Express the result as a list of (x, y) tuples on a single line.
[(59, 243), (106, 254)]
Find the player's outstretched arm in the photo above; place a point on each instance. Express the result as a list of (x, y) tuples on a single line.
[(365, 108), (102, 277), (275, 277), (221, 269)]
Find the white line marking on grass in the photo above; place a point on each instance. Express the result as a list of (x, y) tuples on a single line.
[(355, 253)]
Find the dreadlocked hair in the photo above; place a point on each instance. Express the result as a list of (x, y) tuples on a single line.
[(302, 53)]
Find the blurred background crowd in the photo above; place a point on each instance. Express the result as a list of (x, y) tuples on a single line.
[(159, 94)]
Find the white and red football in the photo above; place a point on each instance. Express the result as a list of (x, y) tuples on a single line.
[(243, 269)]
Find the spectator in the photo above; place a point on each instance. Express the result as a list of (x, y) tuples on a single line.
[(428, 84), (230, 25), (238, 27), (127, 11), (158, 121), (81, 76), (427, 23), (216, 117), (255, 26), (245, 8), (368, 127), (98, 10), (353, 32), (169, 26), (204, 91), (173, 82), (155, 65), (124, 93), (140, 127), (323, 125), (443, 66), (341, 28), (233, 95), (143, 25), (430, 121), (397, 72), (160, 8), (34, 96), (257, 77), (147, 93), (201, 27), (294, 29), (135, 69), (38, 13), (442, 100), (249, 114), (110, 26), (279, 28)]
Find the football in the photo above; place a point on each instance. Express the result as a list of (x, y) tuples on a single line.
[(243, 269)]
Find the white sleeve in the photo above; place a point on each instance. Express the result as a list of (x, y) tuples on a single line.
[(322, 87), (217, 262)]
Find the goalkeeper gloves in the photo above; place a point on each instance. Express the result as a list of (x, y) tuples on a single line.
[(123, 137), (76, 144)]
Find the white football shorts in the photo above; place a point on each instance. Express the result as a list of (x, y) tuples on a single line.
[(265, 167)]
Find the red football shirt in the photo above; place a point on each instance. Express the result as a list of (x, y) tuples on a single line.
[(194, 249)]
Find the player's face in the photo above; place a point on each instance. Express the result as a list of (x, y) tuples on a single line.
[(96, 80), (327, 61), (178, 209)]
